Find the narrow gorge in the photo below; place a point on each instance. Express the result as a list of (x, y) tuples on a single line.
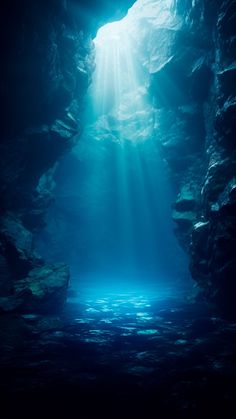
[(118, 208)]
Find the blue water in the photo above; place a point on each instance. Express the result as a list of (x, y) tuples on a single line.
[(119, 226), (111, 220)]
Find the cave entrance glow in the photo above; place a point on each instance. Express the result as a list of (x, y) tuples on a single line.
[(127, 222), (118, 86), (113, 199)]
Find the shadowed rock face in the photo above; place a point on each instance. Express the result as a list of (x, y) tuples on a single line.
[(92, 14), (192, 84), (192, 79), (47, 63), (215, 266)]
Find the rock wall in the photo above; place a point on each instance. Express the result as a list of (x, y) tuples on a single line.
[(194, 94), (46, 66), (213, 246), (189, 51)]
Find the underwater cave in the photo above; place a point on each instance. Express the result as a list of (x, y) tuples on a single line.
[(118, 209)]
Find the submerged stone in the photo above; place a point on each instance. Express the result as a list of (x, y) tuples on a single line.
[(45, 289), (185, 218), (186, 199)]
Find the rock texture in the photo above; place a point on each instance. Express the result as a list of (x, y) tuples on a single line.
[(44, 289), (47, 63), (210, 84), (192, 81), (213, 261)]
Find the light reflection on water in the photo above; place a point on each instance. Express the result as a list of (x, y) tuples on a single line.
[(107, 315)]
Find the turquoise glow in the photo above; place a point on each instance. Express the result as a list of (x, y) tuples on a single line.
[(115, 180), (126, 196), (118, 88)]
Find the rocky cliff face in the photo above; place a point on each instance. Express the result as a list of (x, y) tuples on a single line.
[(213, 254), (47, 62), (194, 97)]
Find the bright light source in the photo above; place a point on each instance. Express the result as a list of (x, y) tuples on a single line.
[(117, 84), (109, 33), (118, 87)]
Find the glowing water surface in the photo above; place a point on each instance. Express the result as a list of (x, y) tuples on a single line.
[(113, 313)]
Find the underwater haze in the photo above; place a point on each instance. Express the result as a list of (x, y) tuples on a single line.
[(112, 216)]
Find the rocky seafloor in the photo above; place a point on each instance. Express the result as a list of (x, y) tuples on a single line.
[(133, 354)]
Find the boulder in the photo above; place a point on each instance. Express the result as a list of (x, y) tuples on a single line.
[(220, 171), (184, 218), (16, 235), (16, 246), (44, 290), (186, 200), (227, 200)]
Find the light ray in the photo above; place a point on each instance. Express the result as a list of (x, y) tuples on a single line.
[(130, 201)]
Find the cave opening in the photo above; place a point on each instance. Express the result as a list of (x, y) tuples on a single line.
[(112, 216)]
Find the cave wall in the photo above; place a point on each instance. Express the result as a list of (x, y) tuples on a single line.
[(213, 243), (189, 55), (199, 145), (46, 67)]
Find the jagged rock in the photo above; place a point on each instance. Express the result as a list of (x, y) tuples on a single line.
[(213, 258), (201, 76), (44, 290), (186, 72), (199, 252), (218, 175), (184, 214), (34, 218), (184, 218), (226, 203), (17, 246), (175, 70), (178, 140), (201, 229), (96, 14), (46, 68), (226, 123), (186, 199), (16, 235), (227, 19), (227, 78)]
